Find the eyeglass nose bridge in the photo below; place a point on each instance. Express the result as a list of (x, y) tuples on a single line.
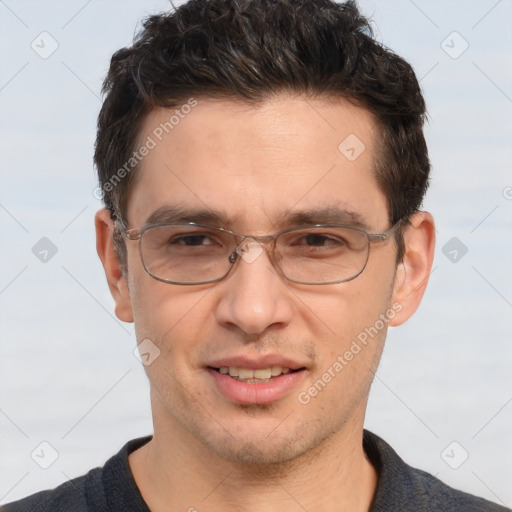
[(250, 248)]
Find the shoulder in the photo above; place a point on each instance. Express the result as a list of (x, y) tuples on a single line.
[(109, 488), (447, 499), (68, 496), (402, 487)]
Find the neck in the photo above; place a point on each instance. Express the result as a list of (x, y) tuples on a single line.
[(175, 471)]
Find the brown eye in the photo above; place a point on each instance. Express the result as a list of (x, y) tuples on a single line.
[(320, 240), (192, 240)]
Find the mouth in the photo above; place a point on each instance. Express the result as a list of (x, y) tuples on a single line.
[(255, 376), (256, 386)]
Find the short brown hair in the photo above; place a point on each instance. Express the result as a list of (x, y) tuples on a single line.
[(250, 50)]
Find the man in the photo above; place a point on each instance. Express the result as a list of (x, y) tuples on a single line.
[(263, 167)]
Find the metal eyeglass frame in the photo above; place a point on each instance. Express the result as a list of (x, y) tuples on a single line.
[(135, 234)]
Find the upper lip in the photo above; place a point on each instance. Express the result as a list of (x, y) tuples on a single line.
[(255, 363)]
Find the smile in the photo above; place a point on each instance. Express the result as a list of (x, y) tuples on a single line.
[(251, 376), (256, 386)]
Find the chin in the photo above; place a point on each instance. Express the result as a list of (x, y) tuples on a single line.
[(269, 447), (259, 453)]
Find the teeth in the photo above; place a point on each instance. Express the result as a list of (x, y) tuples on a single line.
[(251, 376), (264, 373), (276, 370), (244, 373)]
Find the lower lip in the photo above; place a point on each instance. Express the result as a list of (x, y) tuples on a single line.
[(264, 393)]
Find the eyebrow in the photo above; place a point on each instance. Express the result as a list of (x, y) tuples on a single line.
[(184, 214), (329, 215)]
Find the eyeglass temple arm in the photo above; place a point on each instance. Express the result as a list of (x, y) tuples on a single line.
[(380, 237)]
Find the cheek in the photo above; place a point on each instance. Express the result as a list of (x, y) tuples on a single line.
[(347, 309), (156, 307), (171, 316), (351, 320)]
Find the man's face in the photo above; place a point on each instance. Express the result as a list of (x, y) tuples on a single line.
[(257, 168)]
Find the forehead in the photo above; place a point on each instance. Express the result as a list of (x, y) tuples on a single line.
[(253, 165)]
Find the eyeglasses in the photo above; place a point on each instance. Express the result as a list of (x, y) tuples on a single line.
[(186, 253)]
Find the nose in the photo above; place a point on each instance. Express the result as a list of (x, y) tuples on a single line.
[(254, 297)]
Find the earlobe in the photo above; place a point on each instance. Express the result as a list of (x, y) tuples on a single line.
[(116, 280), (414, 271)]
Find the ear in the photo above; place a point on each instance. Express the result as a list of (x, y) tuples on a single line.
[(413, 272), (108, 256)]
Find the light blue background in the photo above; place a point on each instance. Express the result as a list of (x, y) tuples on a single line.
[(67, 372)]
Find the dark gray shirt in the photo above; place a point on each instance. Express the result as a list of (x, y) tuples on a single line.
[(401, 488)]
